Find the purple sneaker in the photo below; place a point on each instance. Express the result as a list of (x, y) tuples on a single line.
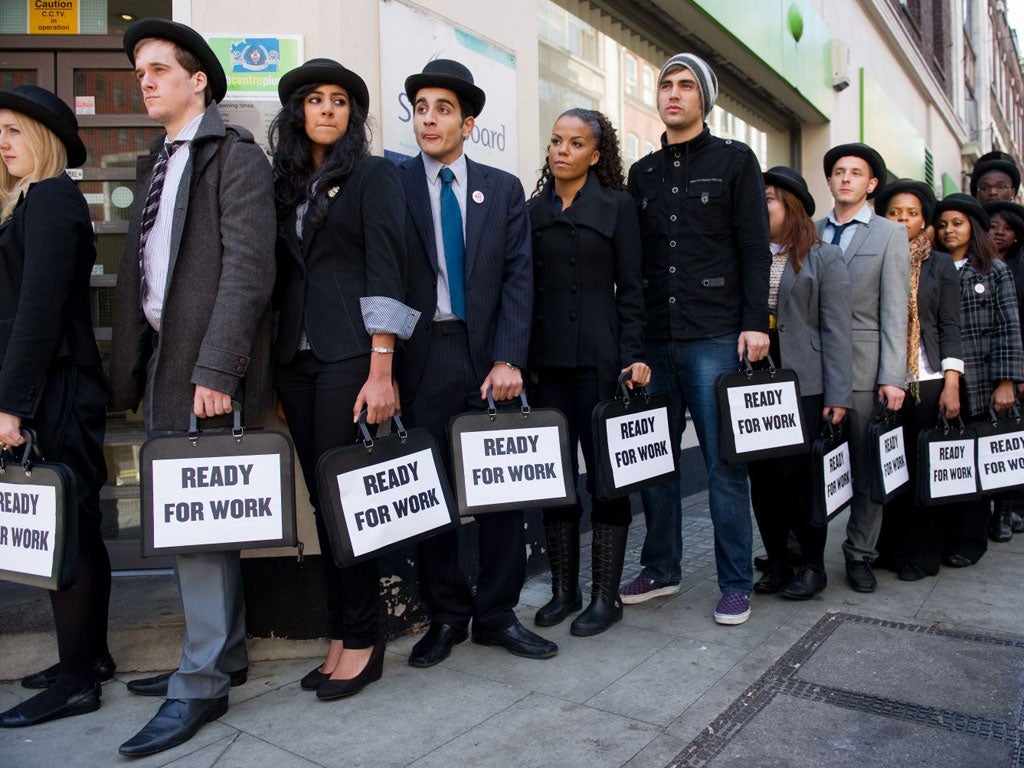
[(733, 608), (642, 588)]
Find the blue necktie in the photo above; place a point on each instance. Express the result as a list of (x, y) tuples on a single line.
[(454, 245), (837, 231)]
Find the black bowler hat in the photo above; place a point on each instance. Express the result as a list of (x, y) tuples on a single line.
[(995, 161), (918, 189), (185, 37), (320, 71), (445, 73), (1008, 206), (966, 204), (791, 181), (865, 153), (46, 108)]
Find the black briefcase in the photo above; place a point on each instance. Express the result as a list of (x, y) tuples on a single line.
[(1001, 451), (831, 473), (38, 518), (383, 492), (946, 463), (759, 413), (217, 490), (511, 459), (632, 442), (890, 474)]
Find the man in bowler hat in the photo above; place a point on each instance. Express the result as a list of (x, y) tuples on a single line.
[(191, 325), (878, 260), (471, 278)]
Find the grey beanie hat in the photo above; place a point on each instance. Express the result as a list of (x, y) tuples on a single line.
[(706, 80)]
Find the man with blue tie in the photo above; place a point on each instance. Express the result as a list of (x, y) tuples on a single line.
[(878, 260), (471, 278)]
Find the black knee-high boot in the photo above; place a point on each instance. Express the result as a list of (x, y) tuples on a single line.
[(609, 551), (564, 557)]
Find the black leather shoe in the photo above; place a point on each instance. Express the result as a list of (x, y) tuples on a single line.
[(435, 646), (314, 679), (773, 580), (808, 582), (175, 722), (957, 561), (157, 685), (50, 704), (339, 689), (104, 666), (1016, 522), (911, 572), (860, 576), (793, 560), (517, 640), (999, 528)]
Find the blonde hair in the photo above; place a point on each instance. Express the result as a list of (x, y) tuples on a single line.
[(49, 159)]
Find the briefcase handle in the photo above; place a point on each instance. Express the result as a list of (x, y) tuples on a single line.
[(993, 417), (945, 425), (833, 432), (882, 412), (368, 438), (29, 449), (492, 409), (237, 431), (624, 393), (749, 369)]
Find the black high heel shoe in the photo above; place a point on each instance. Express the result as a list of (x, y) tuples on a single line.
[(339, 689)]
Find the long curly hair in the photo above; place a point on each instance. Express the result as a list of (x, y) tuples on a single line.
[(294, 171), (608, 168)]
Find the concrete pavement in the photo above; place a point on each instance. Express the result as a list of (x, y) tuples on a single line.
[(644, 693)]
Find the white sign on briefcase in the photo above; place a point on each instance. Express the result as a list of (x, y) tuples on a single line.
[(838, 478), (892, 457), (639, 446), (951, 468), (515, 465), (28, 531)]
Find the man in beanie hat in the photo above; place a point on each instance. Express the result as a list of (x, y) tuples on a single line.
[(706, 261), (191, 324), (995, 177), (470, 275), (878, 260)]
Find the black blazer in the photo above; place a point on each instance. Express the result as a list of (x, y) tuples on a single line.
[(938, 308), (499, 270), (46, 258), (588, 300), (358, 250)]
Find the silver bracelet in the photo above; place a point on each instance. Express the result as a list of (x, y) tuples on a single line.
[(383, 350)]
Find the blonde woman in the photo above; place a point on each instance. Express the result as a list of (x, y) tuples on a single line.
[(50, 374)]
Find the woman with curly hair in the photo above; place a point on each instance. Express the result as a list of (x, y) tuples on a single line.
[(341, 262), (588, 327)]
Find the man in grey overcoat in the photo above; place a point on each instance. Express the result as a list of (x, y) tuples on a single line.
[(878, 261), (192, 332)]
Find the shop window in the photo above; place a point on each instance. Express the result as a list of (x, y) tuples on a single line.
[(630, 71), (648, 85)]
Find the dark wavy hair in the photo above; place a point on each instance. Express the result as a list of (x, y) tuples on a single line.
[(609, 165), (1016, 223), (294, 171)]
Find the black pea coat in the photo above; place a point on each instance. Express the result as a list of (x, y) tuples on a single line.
[(938, 309), (357, 251), (588, 308), (46, 257)]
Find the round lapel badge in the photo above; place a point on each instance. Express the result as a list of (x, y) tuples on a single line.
[(478, 196), (979, 288)]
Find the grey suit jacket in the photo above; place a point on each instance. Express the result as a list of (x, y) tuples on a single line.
[(878, 262), (814, 325)]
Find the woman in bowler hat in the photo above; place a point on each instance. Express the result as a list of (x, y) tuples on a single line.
[(810, 332), (340, 281), (50, 375), (910, 540), (993, 359)]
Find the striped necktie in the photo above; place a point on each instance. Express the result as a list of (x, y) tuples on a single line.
[(156, 188)]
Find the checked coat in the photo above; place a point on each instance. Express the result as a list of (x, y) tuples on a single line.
[(990, 328)]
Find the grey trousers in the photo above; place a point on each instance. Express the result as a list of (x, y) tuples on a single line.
[(210, 585), (865, 523)]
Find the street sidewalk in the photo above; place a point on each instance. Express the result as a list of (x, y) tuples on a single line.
[(636, 695)]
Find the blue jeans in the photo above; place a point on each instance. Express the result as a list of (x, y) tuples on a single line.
[(685, 372)]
